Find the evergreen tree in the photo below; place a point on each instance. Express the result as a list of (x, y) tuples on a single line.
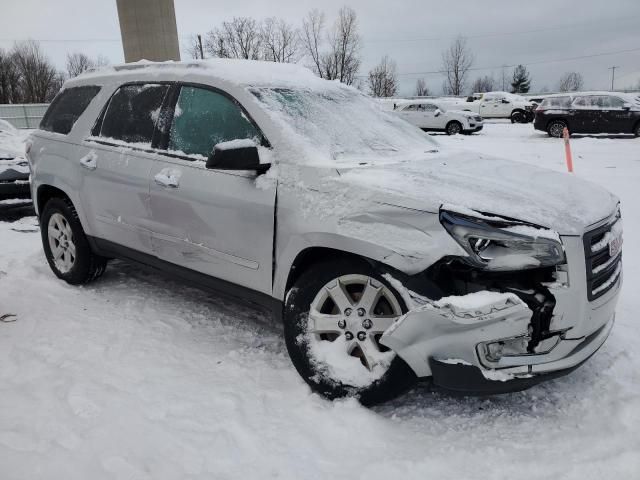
[(521, 80)]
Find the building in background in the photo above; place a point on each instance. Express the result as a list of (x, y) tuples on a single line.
[(148, 29)]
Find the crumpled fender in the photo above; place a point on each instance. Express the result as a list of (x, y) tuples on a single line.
[(443, 331)]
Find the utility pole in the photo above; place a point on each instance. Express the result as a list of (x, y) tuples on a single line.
[(200, 45), (613, 75)]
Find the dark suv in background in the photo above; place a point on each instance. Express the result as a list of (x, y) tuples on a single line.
[(592, 112)]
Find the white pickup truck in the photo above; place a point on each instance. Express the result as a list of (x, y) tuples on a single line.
[(496, 105)]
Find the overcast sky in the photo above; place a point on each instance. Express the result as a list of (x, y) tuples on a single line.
[(413, 32)]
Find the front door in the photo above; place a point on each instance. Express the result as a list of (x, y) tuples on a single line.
[(620, 117), (116, 163), (217, 222)]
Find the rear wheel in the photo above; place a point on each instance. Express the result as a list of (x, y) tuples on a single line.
[(556, 128), (334, 317), (66, 246), (453, 128)]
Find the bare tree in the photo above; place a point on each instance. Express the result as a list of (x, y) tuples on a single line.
[(280, 40), (456, 62), (382, 79), (39, 80), (570, 82), (239, 38), (312, 28), (483, 84), (421, 88), (341, 60), (9, 79), (345, 46)]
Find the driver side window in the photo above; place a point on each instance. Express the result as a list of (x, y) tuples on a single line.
[(204, 118)]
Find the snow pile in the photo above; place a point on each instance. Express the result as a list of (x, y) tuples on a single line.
[(330, 358)]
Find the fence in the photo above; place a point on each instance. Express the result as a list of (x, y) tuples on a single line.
[(23, 115)]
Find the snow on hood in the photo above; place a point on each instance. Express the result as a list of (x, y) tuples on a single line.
[(554, 200)]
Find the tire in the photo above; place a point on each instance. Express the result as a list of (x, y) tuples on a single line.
[(636, 130), (556, 127), (518, 116), (389, 378), (66, 246), (453, 128)]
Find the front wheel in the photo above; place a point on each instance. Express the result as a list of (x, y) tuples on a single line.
[(518, 117), (66, 246), (335, 314), (453, 128)]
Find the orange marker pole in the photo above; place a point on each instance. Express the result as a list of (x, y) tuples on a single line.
[(567, 149)]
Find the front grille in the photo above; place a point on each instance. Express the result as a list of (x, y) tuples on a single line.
[(603, 270)]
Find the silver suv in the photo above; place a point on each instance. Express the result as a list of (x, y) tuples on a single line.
[(387, 256)]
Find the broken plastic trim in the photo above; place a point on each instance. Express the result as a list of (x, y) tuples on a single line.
[(497, 245)]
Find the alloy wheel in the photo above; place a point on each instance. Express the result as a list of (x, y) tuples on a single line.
[(63, 249), (355, 310)]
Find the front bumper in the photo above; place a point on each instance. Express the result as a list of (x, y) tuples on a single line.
[(14, 178), (458, 347)]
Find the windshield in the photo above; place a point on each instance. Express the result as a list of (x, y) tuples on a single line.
[(340, 124)]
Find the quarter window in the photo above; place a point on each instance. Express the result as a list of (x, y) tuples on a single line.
[(67, 107), (204, 118), (132, 113), (616, 102)]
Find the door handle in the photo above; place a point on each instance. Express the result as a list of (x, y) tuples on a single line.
[(90, 161), (168, 177)]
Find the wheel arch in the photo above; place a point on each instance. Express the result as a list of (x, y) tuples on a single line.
[(46, 193)]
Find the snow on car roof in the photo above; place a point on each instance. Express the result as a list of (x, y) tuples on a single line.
[(236, 71)]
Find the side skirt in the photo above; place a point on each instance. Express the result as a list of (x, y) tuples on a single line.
[(215, 285)]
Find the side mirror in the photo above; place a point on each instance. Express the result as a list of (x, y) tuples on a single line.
[(504, 100), (626, 106), (437, 113), (236, 155)]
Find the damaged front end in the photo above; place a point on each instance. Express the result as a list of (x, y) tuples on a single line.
[(511, 313)]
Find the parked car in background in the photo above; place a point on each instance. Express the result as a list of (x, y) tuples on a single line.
[(14, 168), (432, 116), (589, 113), (498, 105), (386, 255)]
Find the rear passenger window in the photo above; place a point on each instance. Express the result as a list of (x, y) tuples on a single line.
[(132, 113), (204, 118), (67, 107)]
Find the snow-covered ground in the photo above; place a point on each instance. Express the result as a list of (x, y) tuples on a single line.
[(140, 377)]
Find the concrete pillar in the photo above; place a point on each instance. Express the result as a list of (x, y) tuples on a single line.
[(148, 29)]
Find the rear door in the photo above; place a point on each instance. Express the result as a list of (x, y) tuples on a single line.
[(116, 161), (217, 222), (489, 107), (413, 115)]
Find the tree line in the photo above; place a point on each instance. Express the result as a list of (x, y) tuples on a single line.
[(27, 75), (332, 49)]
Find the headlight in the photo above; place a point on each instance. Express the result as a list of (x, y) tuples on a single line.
[(502, 244)]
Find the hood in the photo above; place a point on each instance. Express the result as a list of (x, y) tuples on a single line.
[(559, 201)]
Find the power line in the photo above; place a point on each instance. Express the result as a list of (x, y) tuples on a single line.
[(497, 34), (439, 72)]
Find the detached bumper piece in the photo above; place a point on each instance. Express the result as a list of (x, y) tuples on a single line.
[(478, 344)]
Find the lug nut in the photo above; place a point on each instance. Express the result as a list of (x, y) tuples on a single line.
[(342, 323), (367, 323), (347, 312), (348, 336), (362, 336), (361, 312)]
